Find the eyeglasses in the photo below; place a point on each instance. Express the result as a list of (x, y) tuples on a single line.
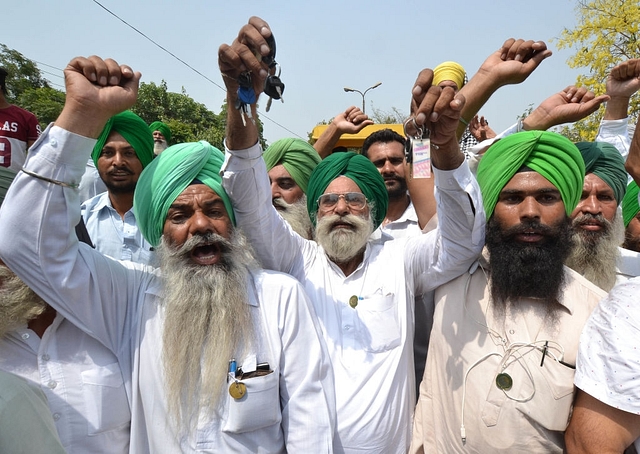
[(354, 200)]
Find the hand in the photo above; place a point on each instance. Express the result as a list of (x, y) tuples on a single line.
[(479, 128), (569, 105), (438, 110), (241, 56), (96, 90), (351, 121), (514, 61), (624, 79)]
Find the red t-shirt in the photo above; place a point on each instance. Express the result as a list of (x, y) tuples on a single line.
[(17, 127)]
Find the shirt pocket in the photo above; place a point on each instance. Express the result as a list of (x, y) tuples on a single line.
[(558, 389), (377, 326), (106, 404), (258, 408)]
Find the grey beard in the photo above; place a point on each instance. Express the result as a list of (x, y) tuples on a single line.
[(595, 253), (341, 245), (18, 303), (207, 322), (296, 215), (159, 147)]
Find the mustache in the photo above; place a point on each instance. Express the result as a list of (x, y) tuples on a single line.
[(200, 240), (280, 203), (120, 170), (585, 218), (527, 226)]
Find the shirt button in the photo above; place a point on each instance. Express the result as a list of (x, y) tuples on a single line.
[(56, 416), (25, 336), (45, 357), (347, 327), (53, 143), (511, 331), (52, 384)]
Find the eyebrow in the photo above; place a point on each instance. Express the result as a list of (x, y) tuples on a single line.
[(536, 191)]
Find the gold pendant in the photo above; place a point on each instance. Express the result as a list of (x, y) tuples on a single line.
[(237, 390), (353, 301), (504, 381)]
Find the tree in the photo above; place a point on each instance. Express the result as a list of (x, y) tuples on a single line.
[(607, 34), (45, 103), (395, 116), (23, 73)]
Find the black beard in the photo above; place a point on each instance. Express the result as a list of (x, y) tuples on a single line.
[(523, 270), (400, 192), (630, 242)]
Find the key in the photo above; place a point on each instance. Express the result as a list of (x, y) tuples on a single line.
[(246, 96)]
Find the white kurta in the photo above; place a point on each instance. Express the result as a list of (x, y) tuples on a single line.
[(608, 366), (120, 304), (370, 345), (82, 381)]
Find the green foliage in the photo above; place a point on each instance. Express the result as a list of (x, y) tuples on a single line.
[(45, 103), (23, 73), (606, 35)]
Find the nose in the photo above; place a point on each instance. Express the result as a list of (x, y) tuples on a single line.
[(590, 204), (341, 207), (118, 159), (201, 224), (530, 208), (387, 168), (275, 190)]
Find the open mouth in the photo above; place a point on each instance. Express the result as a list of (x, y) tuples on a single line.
[(530, 236), (591, 225), (207, 254)]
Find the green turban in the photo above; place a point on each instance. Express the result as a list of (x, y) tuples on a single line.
[(551, 155), (162, 181), (630, 207), (163, 128), (134, 130), (605, 161), (296, 155), (360, 170), (6, 178), (449, 70)]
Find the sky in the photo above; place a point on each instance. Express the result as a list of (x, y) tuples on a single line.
[(321, 48)]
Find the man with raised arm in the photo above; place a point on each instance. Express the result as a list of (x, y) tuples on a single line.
[(217, 355), (362, 290)]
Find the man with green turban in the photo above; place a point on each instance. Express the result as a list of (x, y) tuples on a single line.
[(290, 163), (214, 353), (505, 333), (123, 149), (161, 136), (631, 217), (597, 222), (363, 289)]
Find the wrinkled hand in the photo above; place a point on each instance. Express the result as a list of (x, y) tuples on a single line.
[(514, 61), (480, 130), (96, 90), (241, 56), (624, 79), (351, 121), (438, 109), (569, 105)]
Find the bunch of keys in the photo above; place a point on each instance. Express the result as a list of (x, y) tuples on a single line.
[(273, 86), (417, 150)]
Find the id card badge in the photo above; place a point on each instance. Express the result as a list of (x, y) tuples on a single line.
[(418, 150), (421, 167)]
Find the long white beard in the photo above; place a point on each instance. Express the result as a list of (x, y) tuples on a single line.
[(296, 215), (159, 147), (207, 322), (595, 256), (18, 303), (343, 244)]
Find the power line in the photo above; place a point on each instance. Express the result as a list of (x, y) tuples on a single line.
[(181, 60), (44, 64)]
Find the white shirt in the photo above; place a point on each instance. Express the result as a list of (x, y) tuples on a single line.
[(608, 363), (627, 265), (82, 381), (120, 304), (91, 184), (616, 133), (370, 346), (114, 236)]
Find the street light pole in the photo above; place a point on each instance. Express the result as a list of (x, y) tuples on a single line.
[(347, 89)]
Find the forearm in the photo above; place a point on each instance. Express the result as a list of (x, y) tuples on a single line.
[(327, 140), (633, 160), (476, 93), (616, 108)]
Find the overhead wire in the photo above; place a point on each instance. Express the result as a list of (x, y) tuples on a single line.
[(262, 115)]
